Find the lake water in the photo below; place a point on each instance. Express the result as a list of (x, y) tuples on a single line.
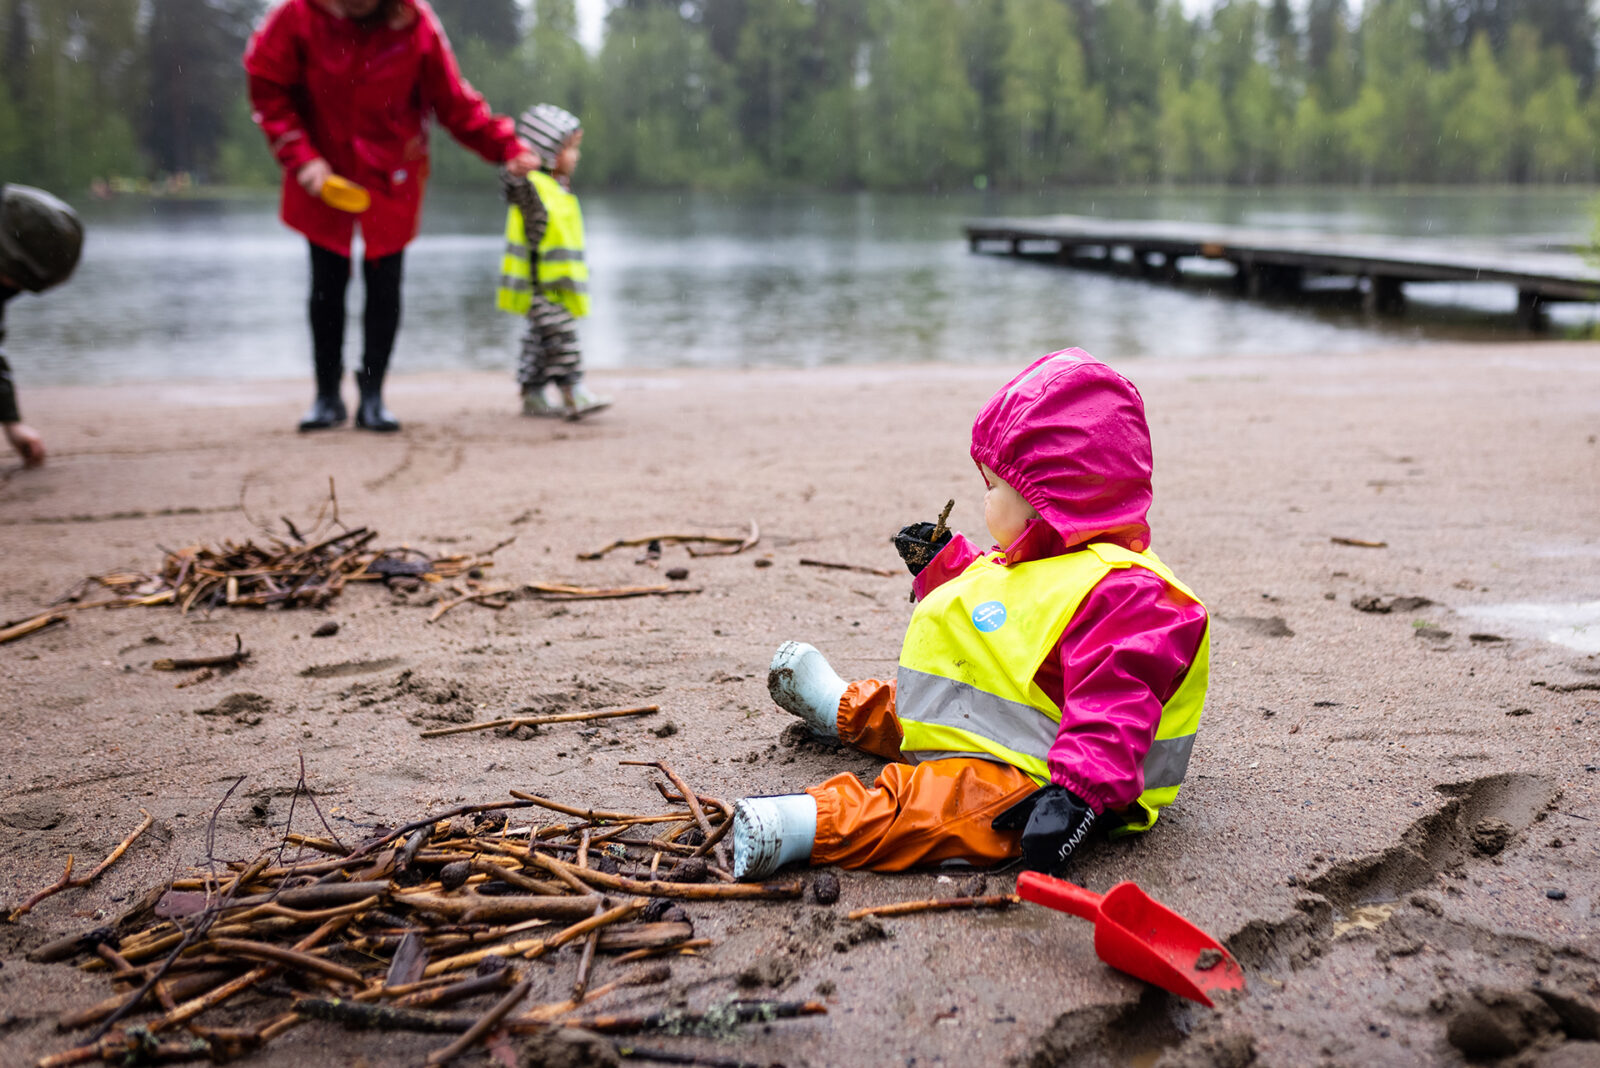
[(216, 288)]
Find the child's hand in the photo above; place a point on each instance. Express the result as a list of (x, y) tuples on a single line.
[(917, 545), (27, 442), (1055, 824)]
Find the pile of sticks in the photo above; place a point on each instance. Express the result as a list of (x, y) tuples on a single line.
[(277, 574), (463, 910)]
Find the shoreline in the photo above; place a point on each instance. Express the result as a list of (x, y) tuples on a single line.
[(1343, 758)]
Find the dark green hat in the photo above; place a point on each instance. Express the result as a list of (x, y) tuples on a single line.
[(40, 237)]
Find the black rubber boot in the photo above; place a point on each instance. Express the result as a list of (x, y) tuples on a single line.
[(326, 411), (370, 412)]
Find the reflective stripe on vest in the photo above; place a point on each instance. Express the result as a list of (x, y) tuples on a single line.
[(563, 272), (966, 680)]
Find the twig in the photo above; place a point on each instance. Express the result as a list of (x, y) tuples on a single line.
[(804, 562), (689, 799), (67, 880), (477, 1031), (581, 985), (938, 904), (303, 961), (303, 785), (512, 877), (555, 591), (939, 528), (535, 721), (228, 660), (698, 1060), (363, 1014), (1360, 543), (749, 541), (686, 947), (682, 539), (592, 815), (656, 888), (459, 990), (739, 1011), (29, 626), (445, 606)]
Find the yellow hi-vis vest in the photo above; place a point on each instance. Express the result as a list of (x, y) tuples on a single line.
[(563, 274), (966, 683)]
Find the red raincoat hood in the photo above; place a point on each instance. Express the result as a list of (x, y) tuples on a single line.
[(1069, 434)]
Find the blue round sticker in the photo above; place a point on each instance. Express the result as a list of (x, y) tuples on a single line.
[(989, 616)]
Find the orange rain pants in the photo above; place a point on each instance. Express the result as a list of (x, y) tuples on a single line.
[(913, 814)]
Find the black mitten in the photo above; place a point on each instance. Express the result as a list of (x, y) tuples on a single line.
[(1055, 824), (917, 545)]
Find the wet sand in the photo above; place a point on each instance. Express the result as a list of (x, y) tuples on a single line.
[(1324, 833)]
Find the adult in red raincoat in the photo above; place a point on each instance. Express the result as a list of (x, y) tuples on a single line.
[(346, 88)]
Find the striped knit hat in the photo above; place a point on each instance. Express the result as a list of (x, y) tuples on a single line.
[(547, 127)]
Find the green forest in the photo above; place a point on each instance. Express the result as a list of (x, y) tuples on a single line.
[(873, 94)]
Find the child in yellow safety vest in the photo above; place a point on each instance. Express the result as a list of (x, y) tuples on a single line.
[(543, 274), (1049, 690)]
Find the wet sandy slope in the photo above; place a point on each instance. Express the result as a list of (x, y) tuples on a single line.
[(1372, 816)]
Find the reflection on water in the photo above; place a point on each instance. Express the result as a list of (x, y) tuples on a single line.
[(1575, 626), (180, 289)]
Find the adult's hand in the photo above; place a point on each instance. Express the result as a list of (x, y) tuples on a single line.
[(523, 165), (312, 175), (27, 442)]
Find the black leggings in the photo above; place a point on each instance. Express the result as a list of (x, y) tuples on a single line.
[(330, 277)]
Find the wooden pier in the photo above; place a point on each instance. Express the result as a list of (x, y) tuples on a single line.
[(1281, 262)]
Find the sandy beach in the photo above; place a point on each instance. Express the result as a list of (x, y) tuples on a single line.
[(1337, 829)]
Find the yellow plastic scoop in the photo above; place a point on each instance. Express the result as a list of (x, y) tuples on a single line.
[(345, 195)]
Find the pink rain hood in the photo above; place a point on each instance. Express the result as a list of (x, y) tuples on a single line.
[(1069, 434)]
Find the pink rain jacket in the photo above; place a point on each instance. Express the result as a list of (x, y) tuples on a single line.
[(360, 96), (1069, 434)]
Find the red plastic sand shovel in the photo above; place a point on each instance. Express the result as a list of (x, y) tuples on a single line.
[(1139, 936)]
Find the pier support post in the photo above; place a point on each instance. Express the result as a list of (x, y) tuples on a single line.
[(1384, 295), (1530, 310)]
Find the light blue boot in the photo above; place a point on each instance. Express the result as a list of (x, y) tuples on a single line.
[(769, 832), (802, 683)]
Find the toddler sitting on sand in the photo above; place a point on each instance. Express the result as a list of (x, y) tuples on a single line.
[(1048, 689)]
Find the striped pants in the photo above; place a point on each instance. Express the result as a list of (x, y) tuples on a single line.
[(549, 347)]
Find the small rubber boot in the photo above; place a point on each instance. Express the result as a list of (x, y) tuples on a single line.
[(370, 412), (536, 402), (803, 684), (769, 832), (577, 401), (326, 411)]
